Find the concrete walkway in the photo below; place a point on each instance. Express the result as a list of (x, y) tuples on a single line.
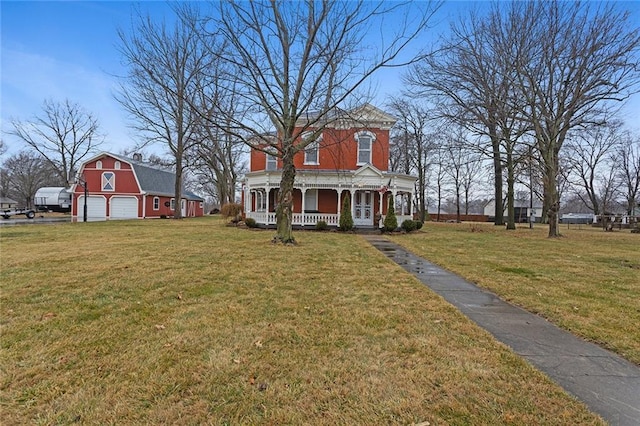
[(608, 384)]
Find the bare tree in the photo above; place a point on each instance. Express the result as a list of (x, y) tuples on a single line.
[(160, 92), (588, 152), (26, 172), (470, 79), (626, 158), (577, 61), (63, 135), (219, 157), (414, 142), (299, 63)]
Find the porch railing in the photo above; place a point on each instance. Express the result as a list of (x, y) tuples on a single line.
[(306, 219)]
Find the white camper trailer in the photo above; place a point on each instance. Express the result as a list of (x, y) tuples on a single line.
[(55, 199)]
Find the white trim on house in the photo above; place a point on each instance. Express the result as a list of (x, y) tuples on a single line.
[(258, 185)]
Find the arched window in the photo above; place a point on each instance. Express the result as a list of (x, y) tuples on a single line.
[(99, 164), (116, 165), (365, 146)]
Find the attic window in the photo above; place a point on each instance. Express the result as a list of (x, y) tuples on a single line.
[(98, 164), (116, 165), (108, 181), (365, 143)]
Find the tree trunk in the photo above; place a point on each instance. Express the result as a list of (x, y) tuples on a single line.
[(177, 213), (284, 209), (511, 223), (497, 182), (552, 197)]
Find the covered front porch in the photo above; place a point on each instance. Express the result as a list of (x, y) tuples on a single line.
[(319, 196)]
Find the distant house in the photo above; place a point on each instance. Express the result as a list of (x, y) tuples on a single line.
[(124, 188), (350, 159), (522, 210), (8, 203)]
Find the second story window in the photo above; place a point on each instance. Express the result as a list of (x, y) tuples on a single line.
[(272, 162), (98, 164), (311, 153), (311, 150), (108, 181), (365, 144)]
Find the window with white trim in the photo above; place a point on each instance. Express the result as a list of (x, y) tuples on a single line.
[(117, 165), (98, 164), (156, 203), (365, 145), (272, 162), (108, 181), (172, 205), (311, 151)]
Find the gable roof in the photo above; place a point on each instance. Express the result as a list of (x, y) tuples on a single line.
[(152, 179)]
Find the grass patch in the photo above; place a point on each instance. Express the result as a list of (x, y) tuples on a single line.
[(190, 322), (587, 282)]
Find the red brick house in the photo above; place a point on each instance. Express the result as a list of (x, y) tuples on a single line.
[(349, 159), (126, 188)]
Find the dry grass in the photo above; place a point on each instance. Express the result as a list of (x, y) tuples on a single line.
[(587, 281), (191, 322)]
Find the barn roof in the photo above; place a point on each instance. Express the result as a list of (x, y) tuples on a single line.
[(155, 179)]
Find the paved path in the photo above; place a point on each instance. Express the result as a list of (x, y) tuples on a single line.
[(608, 384)]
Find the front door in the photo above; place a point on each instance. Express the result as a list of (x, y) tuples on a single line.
[(363, 208)]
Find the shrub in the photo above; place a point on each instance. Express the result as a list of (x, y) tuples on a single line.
[(346, 220), (390, 221), (231, 210), (419, 224), (250, 222), (409, 225), (321, 225)]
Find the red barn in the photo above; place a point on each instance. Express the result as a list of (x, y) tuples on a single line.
[(349, 159), (125, 188)]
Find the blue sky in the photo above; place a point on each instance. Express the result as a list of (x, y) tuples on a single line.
[(58, 50)]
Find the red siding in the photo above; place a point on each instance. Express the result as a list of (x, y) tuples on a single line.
[(338, 151), (125, 184)]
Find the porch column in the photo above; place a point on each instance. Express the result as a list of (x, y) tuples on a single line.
[(393, 194), (352, 192), (339, 191), (247, 198), (267, 205), (303, 191), (411, 204)]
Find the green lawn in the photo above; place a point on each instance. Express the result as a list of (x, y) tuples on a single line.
[(587, 281), (192, 322)]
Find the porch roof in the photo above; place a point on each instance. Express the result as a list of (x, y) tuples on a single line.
[(366, 177)]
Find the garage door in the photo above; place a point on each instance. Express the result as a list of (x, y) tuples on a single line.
[(123, 208), (96, 208)]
